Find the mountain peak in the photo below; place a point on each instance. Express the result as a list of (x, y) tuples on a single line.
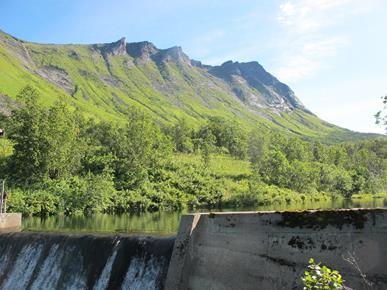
[(115, 48), (122, 40), (174, 53), (143, 49), (262, 89)]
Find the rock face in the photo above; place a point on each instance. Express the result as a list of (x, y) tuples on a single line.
[(57, 76), (256, 87), (143, 50), (174, 53), (249, 81), (148, 51), (115, 48)]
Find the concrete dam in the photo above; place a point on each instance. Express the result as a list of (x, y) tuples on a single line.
[(236, 250)]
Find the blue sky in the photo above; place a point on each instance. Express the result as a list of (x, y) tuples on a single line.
[(332, 53)]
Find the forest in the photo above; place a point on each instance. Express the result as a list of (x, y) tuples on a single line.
[(57, 160)]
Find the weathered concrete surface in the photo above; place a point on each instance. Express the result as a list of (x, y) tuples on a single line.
[(10, 222), (270, 250)]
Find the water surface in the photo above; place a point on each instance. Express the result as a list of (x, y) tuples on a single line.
[(163, 223)]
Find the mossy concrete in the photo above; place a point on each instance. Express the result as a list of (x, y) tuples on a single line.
[(270, 250)]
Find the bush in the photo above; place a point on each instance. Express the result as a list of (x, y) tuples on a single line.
[(88, 194), (186, 185), (321, 277), (33, 202), (130, 200)]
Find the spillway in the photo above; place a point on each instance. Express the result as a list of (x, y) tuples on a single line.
[(66, 261)]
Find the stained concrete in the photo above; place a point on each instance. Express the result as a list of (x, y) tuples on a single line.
[(270, 250), (10, 222)]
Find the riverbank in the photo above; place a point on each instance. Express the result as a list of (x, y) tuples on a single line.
[(185, 186)]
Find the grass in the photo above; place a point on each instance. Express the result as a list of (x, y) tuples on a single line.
[(223, 166)]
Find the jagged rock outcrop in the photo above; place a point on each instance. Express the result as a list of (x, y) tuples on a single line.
[(114, 48), (148, 51), (174, 53), (249, 81), (143, 50), (254, 85)]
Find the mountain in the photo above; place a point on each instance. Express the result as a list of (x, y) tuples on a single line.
[(102, 80)]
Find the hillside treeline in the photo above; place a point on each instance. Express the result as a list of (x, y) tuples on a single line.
[(60, 161)]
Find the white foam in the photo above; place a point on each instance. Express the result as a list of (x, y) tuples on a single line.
[(104, 278), (23, 267), (142, 274)]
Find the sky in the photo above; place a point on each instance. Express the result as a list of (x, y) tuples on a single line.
[(332, 53)]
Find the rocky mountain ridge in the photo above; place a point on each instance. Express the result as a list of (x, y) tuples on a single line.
[(102, 80), (249, 81)]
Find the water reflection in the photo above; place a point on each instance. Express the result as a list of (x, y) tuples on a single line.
[(164, 223)]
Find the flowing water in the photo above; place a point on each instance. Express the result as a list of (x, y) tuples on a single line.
[(59, 261)]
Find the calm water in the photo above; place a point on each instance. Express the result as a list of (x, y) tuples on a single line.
[(160, 223)]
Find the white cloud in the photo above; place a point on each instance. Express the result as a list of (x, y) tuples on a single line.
[(307, 57), (309, 39), (306, 16)]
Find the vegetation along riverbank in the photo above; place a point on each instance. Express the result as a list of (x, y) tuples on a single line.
[(56, 160)]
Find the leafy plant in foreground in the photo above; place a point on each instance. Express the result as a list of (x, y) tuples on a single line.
[(321, 277)]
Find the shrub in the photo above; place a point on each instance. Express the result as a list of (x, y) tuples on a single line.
[(33, 202), (321, 277), (88, 194)]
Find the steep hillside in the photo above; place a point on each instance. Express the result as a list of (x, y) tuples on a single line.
[(103, 79)]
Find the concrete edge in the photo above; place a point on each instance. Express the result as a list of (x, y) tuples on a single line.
[(289, 211), (177, 270)]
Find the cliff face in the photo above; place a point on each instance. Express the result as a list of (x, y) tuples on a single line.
[(104, 79), (250, 82), (256, 87)]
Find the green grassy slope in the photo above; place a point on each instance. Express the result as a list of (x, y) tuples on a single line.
[(103, 84)]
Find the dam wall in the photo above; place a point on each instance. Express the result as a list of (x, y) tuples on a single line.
[(271, 250)]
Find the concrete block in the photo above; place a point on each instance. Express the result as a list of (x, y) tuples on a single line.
[(10, 222)]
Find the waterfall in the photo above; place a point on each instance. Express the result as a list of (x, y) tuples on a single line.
[(60, 261)]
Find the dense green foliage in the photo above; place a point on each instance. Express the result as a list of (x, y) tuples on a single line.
[(307, 167), (321, 277), (64, 162)]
